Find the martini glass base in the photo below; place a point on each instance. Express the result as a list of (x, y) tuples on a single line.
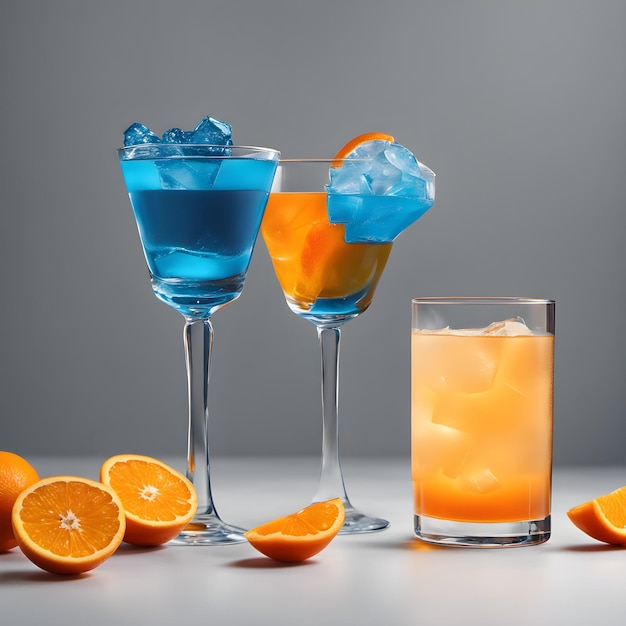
[(357, 522), (209, 530)]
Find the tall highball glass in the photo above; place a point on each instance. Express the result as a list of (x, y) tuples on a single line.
[(482, 386)]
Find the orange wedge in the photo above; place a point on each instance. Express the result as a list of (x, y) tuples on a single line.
[(301, 535), (323, 250), (603, 518), (357, 141), (158, 501), (68, 525), (331, 268)]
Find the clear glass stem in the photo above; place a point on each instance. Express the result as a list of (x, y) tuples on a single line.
[(206, 527), (198, 338), (331, 483)]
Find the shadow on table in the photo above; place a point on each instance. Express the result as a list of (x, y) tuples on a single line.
[(41, 576), (126, 548), (592, 548), (266, 563)]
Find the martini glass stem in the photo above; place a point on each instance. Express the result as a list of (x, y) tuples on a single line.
[(198, 338), (331, 483), (206, 527)]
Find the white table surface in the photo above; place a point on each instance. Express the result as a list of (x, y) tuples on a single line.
[(386, 578)]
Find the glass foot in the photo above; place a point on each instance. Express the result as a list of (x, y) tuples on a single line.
[(208, 530), (357, 522), (482, 535)]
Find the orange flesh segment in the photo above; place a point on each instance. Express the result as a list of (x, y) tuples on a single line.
[(97, 518), (68, 524), (137, 482), (613, 506), (314, 519)]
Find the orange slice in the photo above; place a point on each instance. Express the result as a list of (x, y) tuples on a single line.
[(301, 535), (67, 524), (16, 473), (322, 251), (603, 518), (158, 501), (332, 268), (357, 141)]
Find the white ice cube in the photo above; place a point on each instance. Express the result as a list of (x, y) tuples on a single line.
[(514, 327), (480, 481)]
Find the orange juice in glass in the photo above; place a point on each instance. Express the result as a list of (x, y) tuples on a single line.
[(481, 420)]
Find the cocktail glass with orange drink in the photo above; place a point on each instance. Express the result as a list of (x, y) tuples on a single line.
[(329, 227), (481, 411)]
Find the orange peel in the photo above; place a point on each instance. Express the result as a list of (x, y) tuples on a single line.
[(357, 141)]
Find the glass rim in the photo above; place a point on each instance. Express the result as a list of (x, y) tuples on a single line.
[(481, 300), (125, 149), (316, 160), (337, 162)]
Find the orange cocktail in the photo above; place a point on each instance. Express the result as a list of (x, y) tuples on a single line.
[(482, 424), (320, 274), (329, 227)]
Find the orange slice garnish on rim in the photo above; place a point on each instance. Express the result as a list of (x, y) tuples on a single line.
[(357, 141)]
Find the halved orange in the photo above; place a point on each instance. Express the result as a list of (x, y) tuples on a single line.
[(357, 141), (67, 524), (603, 518), (301, 535), (158, 501)]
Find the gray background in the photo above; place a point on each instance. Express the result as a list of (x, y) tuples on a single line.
[(517, 106)]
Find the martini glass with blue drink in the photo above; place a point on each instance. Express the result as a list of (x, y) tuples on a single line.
[(329, 228), (198, 202)]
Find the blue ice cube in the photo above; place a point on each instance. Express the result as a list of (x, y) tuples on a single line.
[(209, 131), (177, 135), (136, 134), (184, 171), (384, 223), (212, 131), (380, 190), (189, 174)]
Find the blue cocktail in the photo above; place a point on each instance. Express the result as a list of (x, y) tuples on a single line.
[(198, 209)]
